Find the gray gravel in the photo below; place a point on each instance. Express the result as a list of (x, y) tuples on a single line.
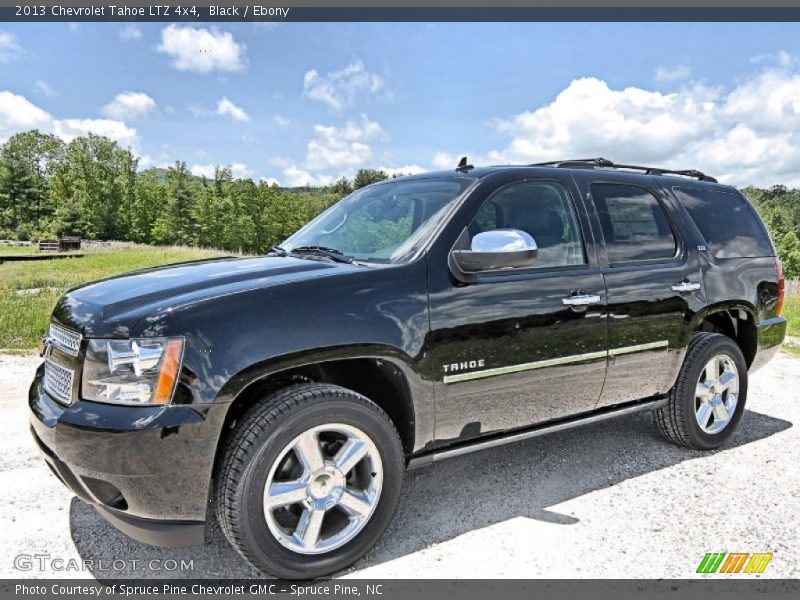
[(609, 500)]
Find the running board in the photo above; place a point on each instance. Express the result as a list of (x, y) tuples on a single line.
[(536, 432)]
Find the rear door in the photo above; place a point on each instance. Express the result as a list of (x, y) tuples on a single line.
[(653, 283)]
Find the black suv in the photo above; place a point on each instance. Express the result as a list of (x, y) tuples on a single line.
[(417, 319)]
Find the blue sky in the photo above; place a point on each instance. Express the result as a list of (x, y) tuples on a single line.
[(307, 103)]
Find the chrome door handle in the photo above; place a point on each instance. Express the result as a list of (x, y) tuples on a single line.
[(686, 286), (583, 300)]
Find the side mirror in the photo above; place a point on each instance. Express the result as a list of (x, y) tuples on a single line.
[(497, 249)]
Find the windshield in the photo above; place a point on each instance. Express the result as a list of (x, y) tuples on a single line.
[(381, 223)]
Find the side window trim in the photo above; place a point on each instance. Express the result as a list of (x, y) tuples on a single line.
[(680, 251)]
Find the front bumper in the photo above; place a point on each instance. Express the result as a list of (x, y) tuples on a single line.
[(770, 335), (146, 469)]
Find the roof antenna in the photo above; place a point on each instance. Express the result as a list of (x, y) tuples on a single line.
[(463, 166)]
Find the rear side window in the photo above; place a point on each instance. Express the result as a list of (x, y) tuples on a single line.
[(729, 225), (634, 224)]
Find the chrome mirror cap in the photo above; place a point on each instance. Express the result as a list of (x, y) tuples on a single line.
[(503, 240), (495, 250)]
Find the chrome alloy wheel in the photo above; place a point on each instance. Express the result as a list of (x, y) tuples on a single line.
[(716, 394), (323, 488)]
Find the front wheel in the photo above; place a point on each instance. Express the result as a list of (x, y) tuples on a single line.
[(706, 404), (309, 480)]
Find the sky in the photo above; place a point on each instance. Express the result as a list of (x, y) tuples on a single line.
[(304, 104)]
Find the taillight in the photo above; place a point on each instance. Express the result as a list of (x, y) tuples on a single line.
[(781, 286)]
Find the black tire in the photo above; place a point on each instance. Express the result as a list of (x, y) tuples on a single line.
[(676, 420), (264, 431)]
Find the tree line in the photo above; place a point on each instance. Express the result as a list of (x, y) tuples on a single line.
[(92, 187)]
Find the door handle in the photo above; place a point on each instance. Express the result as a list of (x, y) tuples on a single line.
[(582, 300), (686, 286)]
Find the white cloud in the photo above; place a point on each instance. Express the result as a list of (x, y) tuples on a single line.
[(282, 121), (340, 89), (9, 48), (269, 181), (445, 160), (130, 32), (202, 50), (43, 89), (295, 176), (343, 147), (749, 134), (405, 170), (68, 129), (129, 105), (227, 108), (206, 171), (673, 73), (17, 113), (238, 171)]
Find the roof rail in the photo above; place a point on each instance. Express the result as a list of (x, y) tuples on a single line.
[(604, 163)]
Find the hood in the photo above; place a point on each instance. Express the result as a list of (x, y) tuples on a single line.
[(112, 307)]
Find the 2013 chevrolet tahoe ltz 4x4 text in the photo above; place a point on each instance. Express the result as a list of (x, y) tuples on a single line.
[(419, 318)]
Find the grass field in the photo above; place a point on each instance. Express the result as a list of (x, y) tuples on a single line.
[(29, 290), (14, 250), (791, 310)]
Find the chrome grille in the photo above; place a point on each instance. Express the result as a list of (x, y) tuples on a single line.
[(58, 381), (65, 339)]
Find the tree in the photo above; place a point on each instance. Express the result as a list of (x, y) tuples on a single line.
[(175, 224), (365, 177), (99, 175), (150, 198), (27, 161)]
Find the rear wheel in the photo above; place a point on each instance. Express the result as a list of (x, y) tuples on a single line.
[(309, 480), (707, 402)]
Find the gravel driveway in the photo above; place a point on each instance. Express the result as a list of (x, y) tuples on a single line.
[(608, 500)]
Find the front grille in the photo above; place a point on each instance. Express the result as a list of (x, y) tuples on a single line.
[(67, 340), (58, 381)]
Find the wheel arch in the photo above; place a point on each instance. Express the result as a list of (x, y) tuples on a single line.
[(383, 375), (734, 319)]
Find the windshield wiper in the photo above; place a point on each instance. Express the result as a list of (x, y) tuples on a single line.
[(278, 250), (331, 253)]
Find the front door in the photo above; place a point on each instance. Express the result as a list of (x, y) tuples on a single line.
[(518, 347)]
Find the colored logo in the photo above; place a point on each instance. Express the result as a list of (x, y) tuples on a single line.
[(734, 562)]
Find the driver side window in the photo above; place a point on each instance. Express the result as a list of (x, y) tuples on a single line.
[(544, 210)]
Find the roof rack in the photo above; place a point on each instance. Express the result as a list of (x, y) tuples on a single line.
[(604, 163)]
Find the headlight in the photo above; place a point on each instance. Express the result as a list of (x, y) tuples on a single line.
[(138, 372)]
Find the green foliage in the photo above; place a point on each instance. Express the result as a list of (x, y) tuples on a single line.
[(779, 207), (791, 310), (91, 187), (28, 290), (365, 177)]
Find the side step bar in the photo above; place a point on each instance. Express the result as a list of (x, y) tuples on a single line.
[(483, 444)]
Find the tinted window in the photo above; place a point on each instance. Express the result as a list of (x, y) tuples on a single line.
[(634, 224), (542, 209), (730, 227)]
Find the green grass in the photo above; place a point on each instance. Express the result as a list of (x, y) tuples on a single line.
[(14, 250), (791, 310), (24, 316)]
